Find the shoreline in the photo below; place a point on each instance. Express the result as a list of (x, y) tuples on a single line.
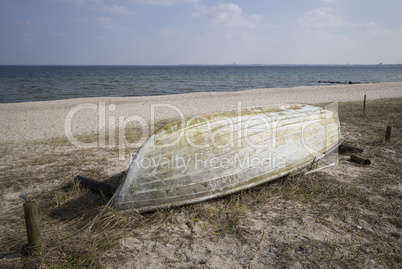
[(48, 119)]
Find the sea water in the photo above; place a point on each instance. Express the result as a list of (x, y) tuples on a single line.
[(41, 83)]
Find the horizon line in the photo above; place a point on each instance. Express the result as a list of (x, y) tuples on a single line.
[(233, 64)]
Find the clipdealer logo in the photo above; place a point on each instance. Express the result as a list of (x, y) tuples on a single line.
[(235, 132)]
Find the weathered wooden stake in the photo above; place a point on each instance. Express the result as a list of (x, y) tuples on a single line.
[(364, 104), (31, 215), (360, 160), (388, 134)]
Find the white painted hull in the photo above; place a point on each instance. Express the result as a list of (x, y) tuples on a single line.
[(210, 156)]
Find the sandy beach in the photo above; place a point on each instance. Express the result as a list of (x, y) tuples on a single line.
[(345, 216), (37, 120)]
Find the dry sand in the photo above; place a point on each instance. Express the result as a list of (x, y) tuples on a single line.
[(37, 120)]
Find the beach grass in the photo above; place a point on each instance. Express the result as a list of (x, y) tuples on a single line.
[(346, 216)]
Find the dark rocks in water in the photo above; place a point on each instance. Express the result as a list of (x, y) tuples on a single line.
[(337, 82)]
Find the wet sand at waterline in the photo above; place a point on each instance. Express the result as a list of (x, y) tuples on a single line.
[(39, 120)]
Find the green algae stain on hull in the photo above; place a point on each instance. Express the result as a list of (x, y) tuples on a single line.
[(213, 155)]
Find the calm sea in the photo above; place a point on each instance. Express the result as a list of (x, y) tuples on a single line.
[(39, 83)]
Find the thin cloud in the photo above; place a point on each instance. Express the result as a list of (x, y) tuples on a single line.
[(321, 18), (26, 22), (326, 17), (101, 6), (165, 2), (371, 24), (226, 15), (96, 20)]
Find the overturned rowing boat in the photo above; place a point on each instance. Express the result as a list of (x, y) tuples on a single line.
[(210, 156)]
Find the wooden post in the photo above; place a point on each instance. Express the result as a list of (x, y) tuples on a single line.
[(388, 134), (31, 215), (360, 160), (364, 104)]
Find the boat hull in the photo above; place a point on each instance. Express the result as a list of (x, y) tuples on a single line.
[(214, 155)]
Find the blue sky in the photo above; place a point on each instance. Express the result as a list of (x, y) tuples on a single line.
[(163, 32)]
